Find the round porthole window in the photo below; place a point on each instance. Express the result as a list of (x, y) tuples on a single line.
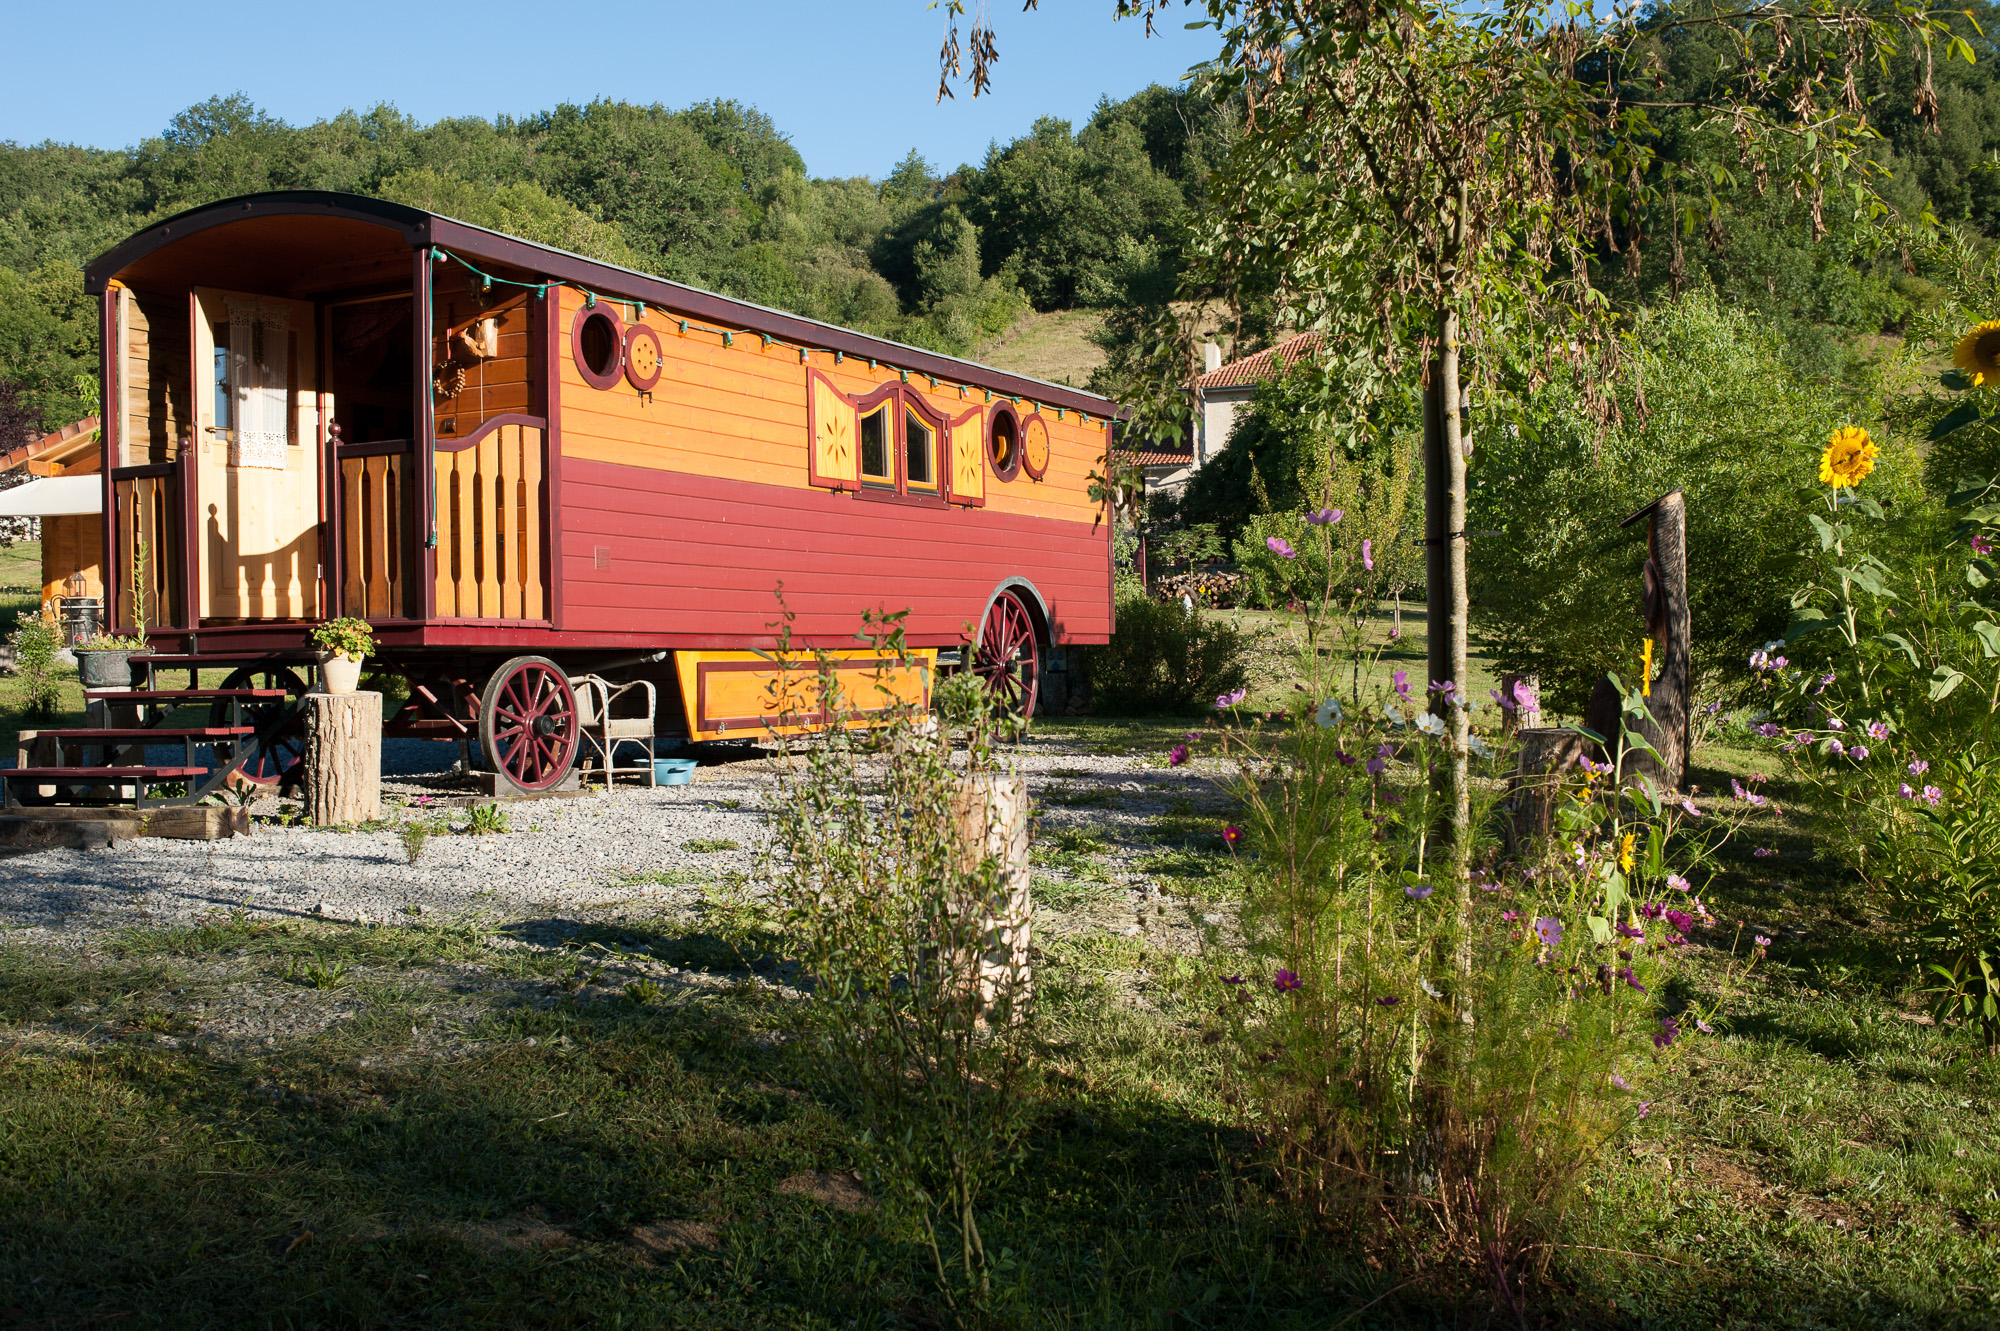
[(1003, 443), (598, 344)]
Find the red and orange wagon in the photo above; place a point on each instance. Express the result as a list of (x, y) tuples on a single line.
[(522, 467)]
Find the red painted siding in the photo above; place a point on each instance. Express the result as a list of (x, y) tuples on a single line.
[(703, 555)]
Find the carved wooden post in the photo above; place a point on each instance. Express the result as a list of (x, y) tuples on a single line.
[(343, 757), (991, 819), (1670, 626), (1546, 757)]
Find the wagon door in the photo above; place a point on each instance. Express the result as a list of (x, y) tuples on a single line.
[(257, 457)]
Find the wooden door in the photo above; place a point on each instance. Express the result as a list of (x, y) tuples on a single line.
[(257, 464)]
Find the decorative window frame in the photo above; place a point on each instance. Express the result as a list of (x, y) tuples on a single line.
[(601, 310), (899, 399), (1002, 411)]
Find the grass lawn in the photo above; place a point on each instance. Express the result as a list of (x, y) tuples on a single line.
[(476, 1125)]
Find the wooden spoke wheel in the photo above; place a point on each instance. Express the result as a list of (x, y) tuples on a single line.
[(527, 724), (276, 764), (1008, 657)]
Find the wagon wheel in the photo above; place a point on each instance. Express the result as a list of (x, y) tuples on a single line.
[(276, 764), (1008, 657), (527, 724)]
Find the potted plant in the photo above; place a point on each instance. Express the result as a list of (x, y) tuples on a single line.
[(104, 660), (343, 645)]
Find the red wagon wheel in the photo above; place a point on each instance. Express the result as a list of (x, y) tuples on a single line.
[(277, 762), (527, 723), (1007, 655)]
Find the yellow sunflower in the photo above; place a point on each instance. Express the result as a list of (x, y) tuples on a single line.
[(1848, 458), (1978, 354)]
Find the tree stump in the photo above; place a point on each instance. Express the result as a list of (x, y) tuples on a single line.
[(1546, 755), (990, 815), (343, 757)]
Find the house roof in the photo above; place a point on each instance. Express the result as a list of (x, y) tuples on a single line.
[(1266, 364), (58, 446), (1160, 457)]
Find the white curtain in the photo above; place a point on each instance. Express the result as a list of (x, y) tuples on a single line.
[(259, 384)]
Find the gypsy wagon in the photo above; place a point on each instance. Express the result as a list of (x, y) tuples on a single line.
[(529, 471)]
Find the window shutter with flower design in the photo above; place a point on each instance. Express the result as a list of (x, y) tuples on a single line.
[(832, 424), (968, 458)]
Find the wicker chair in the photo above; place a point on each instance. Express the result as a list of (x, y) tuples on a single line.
[(609, 716)]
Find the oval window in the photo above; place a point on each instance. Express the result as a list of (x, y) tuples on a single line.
[(598, 346), (1003, 444)]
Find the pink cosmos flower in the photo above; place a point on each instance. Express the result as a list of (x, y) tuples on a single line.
[(1878, 730), (1418, 892), (1918, 767), (1835, 747), (1982, 546), (1177, 755), (1403, 683), (1859, 753), (1646, 1106), (1749, 797), (1762, 941), (1509, 916), (1549, 929), (1280, 547), (1620, 1082), (1932, 795), (1232, 834), (1905, 791), (1284, 981), (1229, 699), (1763, 852), (1320, 517), (1770, 730), (1677, 883), (1368, 555), (1835, 723)]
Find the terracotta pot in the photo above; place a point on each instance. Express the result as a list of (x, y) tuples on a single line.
[(338, 673), (104, 669)]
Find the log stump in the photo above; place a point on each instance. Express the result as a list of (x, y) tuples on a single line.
[(1546, 755), (343, 757), (990, 815)]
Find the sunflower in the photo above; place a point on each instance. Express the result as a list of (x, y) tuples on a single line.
[(1849, 457), (1978, 354)]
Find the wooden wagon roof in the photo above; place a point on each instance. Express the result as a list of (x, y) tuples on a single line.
[(412, 228), (56, 450)]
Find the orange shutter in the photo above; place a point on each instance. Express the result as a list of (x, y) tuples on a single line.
[(834, 461), (968, 458)]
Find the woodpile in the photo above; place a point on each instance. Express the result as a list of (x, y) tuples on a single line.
[(1212, 588)]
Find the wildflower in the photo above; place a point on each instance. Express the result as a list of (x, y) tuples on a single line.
[(1403, 683), (1759, 659), (1489, 887), (1388, 1000), (1978, 354), (1769, 730), (1232, 979), (1859, 753), (1478, 746), (1346, 758), (1524, 697), (1620, 1082), (1429, 988), (1918, 767), (1834, 722), (1418, 891), (1763, 941), (1629, 932), (1232, 834), (1284, 981), (1779, 663), (1981, 545), (1834, 747), (1878, 730), (1749, 797), (1932, 795), (1368, 555), (1670, 1031), (1652, 910), (1177, 755), (1192, 737), (1645, 1106), (1509, 916), (1377, 765), (1677, 883), (1688, 808), (1320, 517), (1227, 700), (1825, 680), (1505, 704), (1626, 974), (1431, 724), (1625, 852), (1329, 714), (1591, 768), (1703, 1027), (1849, 457), (1549, 929), (1905, 792), (1763, 852), (1280, 547), (1682, 921)]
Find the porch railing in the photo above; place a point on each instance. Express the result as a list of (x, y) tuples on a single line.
[(379, 567), (148, 508), (492, 524)]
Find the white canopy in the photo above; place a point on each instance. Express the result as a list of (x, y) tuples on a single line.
[(53, 497)]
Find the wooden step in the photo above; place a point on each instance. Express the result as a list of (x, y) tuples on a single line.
[(122, 697), (135, 734), (59, 775)]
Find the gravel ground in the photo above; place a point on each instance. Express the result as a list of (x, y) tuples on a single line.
[(598, 855)]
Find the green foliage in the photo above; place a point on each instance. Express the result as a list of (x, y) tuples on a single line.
[(1165, 658), (486, 820), (35, 641), (888, 911), (352, 638), (521, 208), (1727, 421), (708, 845)]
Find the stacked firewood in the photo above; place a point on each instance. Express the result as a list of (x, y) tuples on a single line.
[(1204, 587)]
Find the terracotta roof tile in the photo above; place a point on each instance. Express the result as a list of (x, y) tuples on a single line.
[(1266, 364), (64, 443)]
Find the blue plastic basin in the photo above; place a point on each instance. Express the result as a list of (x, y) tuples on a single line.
[(674, 771)]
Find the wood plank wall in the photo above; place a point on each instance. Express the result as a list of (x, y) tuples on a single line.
[(71, 545), (492, 387), (490, 528), (157, 403)]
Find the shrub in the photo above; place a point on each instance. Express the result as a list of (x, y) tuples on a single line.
[(1165, 658), (36, 642)]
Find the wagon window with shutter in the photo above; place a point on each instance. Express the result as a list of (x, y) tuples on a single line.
[(876, 464), (920, 453)]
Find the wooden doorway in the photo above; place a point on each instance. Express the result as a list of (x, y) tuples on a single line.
[(257, 456)]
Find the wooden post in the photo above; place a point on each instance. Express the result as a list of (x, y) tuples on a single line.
[(343, 758), (1670, 625), (991, 818), (1546, 755)]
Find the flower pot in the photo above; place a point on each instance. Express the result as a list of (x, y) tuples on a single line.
[(338, 673), (104, 669)]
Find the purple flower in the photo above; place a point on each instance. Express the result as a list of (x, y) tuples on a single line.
[(1377, 766), (1750, 797), (1625, 974), (1368, 555), (1932, 795), (1824, 680), (1192, 737), (1280, 547), (1509, 916), (1418, 892), (1981, 545), (1687, 807), (1859, 753), (1682, 921), (1284, 981), (1177, 755), (1878, 730), (1403, 683), (1320, 517), (1763, 852), (1670, 1030), (1232, 979), (1762, 941), (1835, 723), (1620, 1082), (1388, 1000), (1703, 1027), (1346, 758), (1905, 791), (1834, 747), (1506, 704), (1232, 834), (1779, 663), (1524, 697), (1652, 910), (1770, 730), (1677, 883), (1629, 932), (1489, 887), (1918, 767), (1645, 1106), (1229, 699), (1549, 929)]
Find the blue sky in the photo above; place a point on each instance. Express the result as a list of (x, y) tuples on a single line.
[(851, 84)]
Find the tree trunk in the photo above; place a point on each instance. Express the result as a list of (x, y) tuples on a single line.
[(991, 816), (343, 757), (1669, 722)]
